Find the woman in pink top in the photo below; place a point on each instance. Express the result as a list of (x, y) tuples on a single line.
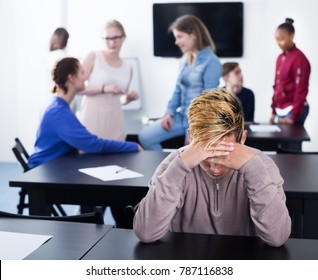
[(109, 77), (289, 104)]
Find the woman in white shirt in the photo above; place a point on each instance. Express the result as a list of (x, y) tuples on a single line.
[(109, 78)]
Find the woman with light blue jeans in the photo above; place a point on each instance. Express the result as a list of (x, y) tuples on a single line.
[(201, 70)]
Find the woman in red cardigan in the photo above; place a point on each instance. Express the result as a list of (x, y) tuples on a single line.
[(289, 104)]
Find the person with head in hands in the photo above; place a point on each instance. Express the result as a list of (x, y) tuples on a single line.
[(289, 101), (201, 70), (233, 78), (216, 184)]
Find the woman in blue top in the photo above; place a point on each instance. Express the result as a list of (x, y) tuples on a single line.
[(201, 70), (60, 132)]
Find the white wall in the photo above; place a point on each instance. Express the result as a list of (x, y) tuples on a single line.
[(8, 69), (25, 28), (23, 73)]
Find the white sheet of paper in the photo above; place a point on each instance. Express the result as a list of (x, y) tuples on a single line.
[(108, 173), (265, 128), (17, 246)]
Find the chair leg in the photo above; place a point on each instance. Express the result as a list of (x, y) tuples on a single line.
[(22, 205), (60, 208), (54, 212), (23, 193), (57, 210), (21, 202)]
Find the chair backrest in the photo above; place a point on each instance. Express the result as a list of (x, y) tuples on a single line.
[(129, 212), (21, 154), (91, 217)]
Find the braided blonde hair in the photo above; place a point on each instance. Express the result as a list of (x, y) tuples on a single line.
[(213, 115)]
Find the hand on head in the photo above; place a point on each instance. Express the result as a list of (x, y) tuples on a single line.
[(195, 154), (226, 152), (236, 158), (216, 129)]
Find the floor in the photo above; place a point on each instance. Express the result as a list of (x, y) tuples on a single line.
[(9, 197)]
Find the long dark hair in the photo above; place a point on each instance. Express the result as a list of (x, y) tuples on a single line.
[(65, 67)]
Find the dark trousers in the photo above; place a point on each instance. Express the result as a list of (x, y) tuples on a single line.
[(301, 119)]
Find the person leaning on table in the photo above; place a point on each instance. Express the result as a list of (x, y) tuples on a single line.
[(216, 184), (60, 131)]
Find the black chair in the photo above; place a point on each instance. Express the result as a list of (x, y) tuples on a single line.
[(130, 212), (22, 156), (92, 217), (174, 143)]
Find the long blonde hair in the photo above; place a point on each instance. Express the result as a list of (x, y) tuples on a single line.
[(213, 115)]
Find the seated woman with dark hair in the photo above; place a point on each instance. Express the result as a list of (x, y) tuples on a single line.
[(60, 132)]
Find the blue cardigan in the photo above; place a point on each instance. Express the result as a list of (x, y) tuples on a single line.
[(60, 132)]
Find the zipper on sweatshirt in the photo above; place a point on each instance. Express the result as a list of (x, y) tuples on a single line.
[(217, 188)]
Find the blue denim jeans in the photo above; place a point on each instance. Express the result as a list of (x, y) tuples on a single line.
[(301, 119), (151, 136)]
